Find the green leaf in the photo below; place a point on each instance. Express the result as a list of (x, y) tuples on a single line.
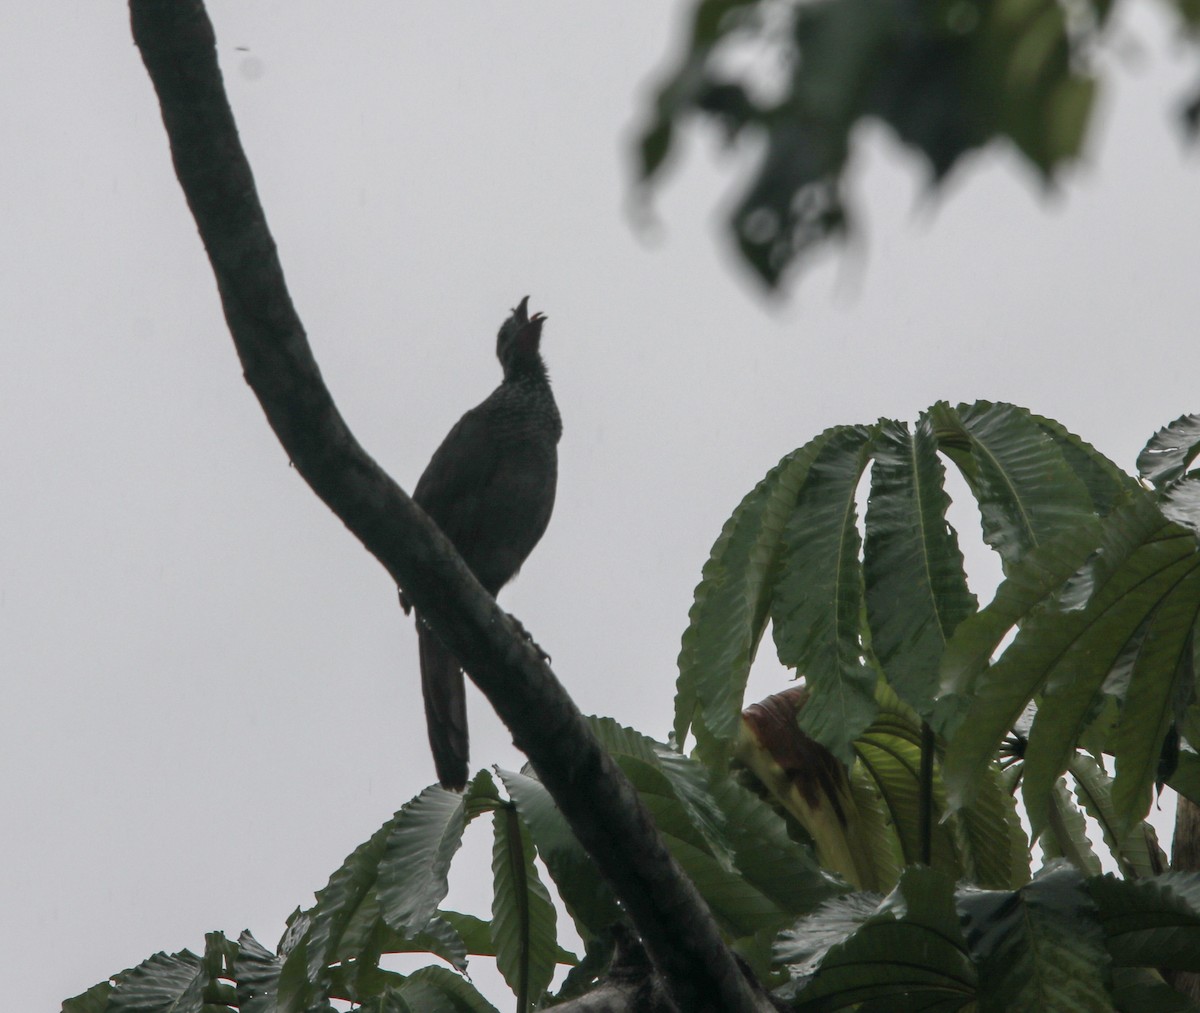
[(890, 752), (908, 953), (430, 990), (731, 607), (1145, 571), (686, 780), (766, 856), (1107, 484), (94, 1000), (740, 907), (947, 79), (990, 839), (1135, 849), (588, 899), (1162, 679), (1026, 491), (1066, 833), (256, 970), (420, 844), (1140, 990), (523, 918), (341, 902), (1170, 451), (916, 590), (1066, 649), (1027, 586), (817, 606), (165, 983), (804, 946), (1150, 922), (1040, 948)]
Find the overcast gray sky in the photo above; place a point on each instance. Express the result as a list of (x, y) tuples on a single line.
[(212, 696)]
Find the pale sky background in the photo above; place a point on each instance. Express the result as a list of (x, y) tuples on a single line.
[(211, 695)]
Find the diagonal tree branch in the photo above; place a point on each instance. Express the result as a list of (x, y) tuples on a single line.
[(178, 46)]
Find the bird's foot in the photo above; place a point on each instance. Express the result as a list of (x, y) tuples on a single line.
[(525, 633)]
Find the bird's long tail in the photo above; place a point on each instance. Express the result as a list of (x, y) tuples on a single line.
[(445, 709)]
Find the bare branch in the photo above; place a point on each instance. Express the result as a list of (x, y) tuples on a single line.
[(177, 44)]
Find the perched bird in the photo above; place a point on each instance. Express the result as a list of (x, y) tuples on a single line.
[(490, 488)]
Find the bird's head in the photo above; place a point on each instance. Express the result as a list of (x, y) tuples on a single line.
[(519, 340)]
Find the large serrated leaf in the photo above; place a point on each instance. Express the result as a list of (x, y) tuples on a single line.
[(256, 971), (431, 989), (816, 609), (94, 1000), (588, 899), (1066, 649), (1026, 491), (1027, 586), (1107, 484), (890, 752), (1170, 451), (1041, 948), (766, 856), (1162, 677), (686, 780), (421, 842), (916, 589), (1136, 849), (164, 983), (730, 611), (339, 904), (991, 842), (523, 918), (1065, 835), (1151, 922), (1151, 574), (908, 954)]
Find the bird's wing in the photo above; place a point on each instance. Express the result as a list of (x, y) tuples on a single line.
[(457, 476)]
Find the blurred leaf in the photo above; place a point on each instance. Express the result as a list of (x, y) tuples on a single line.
[(523, 917), (817, 605), (946, 77), (916, 589), (1180, 502)]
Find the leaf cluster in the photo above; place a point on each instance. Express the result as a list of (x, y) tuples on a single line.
[(946, 76)]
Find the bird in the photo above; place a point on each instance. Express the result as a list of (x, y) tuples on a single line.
[(490, 487)]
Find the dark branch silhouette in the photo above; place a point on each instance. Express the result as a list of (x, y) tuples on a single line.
[(178, 46)]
